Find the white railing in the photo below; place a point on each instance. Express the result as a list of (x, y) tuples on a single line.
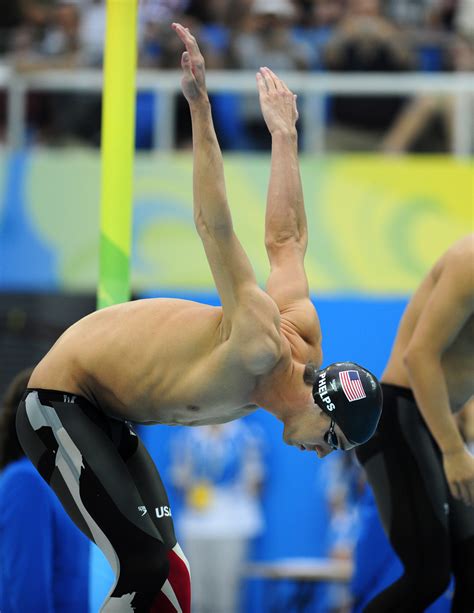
[(310, 87)]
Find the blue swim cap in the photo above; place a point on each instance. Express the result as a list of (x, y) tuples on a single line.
[(352, 397)]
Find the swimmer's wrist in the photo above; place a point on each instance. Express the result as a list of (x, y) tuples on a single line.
[(201, 104), (285, 133)]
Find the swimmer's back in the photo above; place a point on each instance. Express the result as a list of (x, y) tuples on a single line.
[(139, 353)]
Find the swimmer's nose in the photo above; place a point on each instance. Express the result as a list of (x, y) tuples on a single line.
[(322, 451)]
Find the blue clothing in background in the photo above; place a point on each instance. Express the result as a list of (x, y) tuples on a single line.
[(223, 459), (44, 558)]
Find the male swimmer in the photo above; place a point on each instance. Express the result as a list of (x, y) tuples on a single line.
[(172, 362), (420, 469)]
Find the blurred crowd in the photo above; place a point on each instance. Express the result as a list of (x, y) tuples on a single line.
[(337, 35), (305, 35)]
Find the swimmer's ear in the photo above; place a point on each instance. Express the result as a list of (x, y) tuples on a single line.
[(310, 374)]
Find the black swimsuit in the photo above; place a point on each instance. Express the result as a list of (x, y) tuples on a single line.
[(431, 532), (109, 485)]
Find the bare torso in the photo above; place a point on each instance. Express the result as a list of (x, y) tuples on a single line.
[(179, 362), (157, 361), (458, 359)]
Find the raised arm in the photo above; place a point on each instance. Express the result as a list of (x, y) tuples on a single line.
[(232, 271), (286, 232), (229, 263)]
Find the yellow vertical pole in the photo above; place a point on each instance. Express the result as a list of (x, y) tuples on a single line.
[(117, 150)]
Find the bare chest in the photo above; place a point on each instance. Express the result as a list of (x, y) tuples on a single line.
[(212, 390)]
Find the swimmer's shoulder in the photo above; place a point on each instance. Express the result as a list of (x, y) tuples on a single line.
[(152, 307), (124, 320), (457, 265)]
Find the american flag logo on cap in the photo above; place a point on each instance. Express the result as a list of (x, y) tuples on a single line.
[(351, 385)]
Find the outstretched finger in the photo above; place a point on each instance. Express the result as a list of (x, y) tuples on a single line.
[(469, 493), (285, 87), (261, 85), (269, 80), (464, 493), (262, 82), (456, 490), (279, 83), (188, 39)]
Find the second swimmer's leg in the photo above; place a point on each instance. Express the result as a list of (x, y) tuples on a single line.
[(403, 469), (461, 521)]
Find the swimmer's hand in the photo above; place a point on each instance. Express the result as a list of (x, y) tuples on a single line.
[(277, 102), (459, 470), (193, 82)]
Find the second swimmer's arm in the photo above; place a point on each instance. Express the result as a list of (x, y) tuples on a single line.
[(440, 322)]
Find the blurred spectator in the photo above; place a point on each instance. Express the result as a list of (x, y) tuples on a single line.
[(267, 39), (157, 45), (11, 18), (435, 39), (50, 37), (43, 556), (54, 117), (441, 15), (430, 26), (92, 32), (415, 127), (341, 532), (339, 35), (61, 40), (219, 470), (365, 41), (408, 13), (37, 16), (465, 19), (315, 26), (163, 11), (345, 483), (216, 18)]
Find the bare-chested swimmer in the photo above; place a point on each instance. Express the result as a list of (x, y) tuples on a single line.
[(179, 362), (421, 471)]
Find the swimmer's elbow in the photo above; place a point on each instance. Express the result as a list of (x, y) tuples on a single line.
[(410, 357), (416, 357), (211, 225)]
